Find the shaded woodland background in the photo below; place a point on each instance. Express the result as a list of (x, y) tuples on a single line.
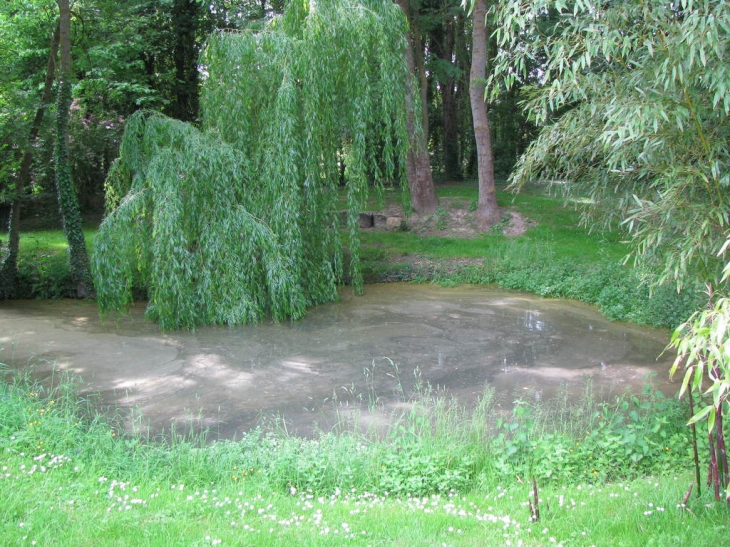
[(144, 54)]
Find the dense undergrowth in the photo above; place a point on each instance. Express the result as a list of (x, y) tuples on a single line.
[(436, 446), (442, 473)]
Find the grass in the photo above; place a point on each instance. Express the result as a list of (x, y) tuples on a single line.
[(68, 477), (613, 473), (43, 263), (557, 226)]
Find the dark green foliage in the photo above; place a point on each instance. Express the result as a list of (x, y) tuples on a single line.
[(619, 292), (46, 276), (239, 221), (8, 269), (588, 441)]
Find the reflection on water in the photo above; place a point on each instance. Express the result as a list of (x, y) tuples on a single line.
[(376, 348), (532, 322)]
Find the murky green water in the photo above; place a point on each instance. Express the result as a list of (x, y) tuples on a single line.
[(340, 359)]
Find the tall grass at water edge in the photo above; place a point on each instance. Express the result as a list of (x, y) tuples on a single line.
[(611, 473)]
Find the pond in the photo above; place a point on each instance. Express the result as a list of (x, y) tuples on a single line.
[(358, 360)]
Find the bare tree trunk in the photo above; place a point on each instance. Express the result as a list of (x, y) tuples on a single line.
[(448, 88), (420, 68), (68, 203), (9, 270), (487, 209), (418, 165)]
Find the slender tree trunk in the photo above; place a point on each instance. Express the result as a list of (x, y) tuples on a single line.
[(487, 209), (452, 166), (418, 165), (420, 67), (67, 201), (9, 271)]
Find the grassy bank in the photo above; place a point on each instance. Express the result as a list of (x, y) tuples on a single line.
[(607, 474), (554, 258)]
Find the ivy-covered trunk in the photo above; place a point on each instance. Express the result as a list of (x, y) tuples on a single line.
[(67, 201)]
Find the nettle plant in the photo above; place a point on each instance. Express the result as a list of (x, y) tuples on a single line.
[(238, 220)]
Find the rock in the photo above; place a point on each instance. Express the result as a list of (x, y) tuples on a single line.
[(365, 220), (380, 220), (369, 219), (393, 223)]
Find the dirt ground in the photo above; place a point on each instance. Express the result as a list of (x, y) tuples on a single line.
[(455, 219)]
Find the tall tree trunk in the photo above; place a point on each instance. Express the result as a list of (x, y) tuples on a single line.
[(452, 166), (418, 165), (9, 270), (419, 67), (487, 209), (67, 201)]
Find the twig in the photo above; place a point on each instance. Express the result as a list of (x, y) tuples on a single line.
[(694, 443), (687, 495), (534, 502)]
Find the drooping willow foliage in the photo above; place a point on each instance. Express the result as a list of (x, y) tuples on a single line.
[(238, 220)]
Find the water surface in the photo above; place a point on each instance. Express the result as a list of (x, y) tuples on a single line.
[(340, 360)]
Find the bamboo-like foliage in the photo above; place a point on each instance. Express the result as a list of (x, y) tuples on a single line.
[(634, 102), (239, 220), (703, 348)]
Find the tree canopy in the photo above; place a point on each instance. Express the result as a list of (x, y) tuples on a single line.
[(239, 220)]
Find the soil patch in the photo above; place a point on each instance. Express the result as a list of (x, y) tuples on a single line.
[(454, 218)]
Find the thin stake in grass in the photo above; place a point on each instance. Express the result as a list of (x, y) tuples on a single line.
[(534, 502)]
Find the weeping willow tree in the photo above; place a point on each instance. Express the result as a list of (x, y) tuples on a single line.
[(238, 220)]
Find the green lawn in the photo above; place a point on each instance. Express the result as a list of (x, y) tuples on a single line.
[(557, 229), (69, 478)]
